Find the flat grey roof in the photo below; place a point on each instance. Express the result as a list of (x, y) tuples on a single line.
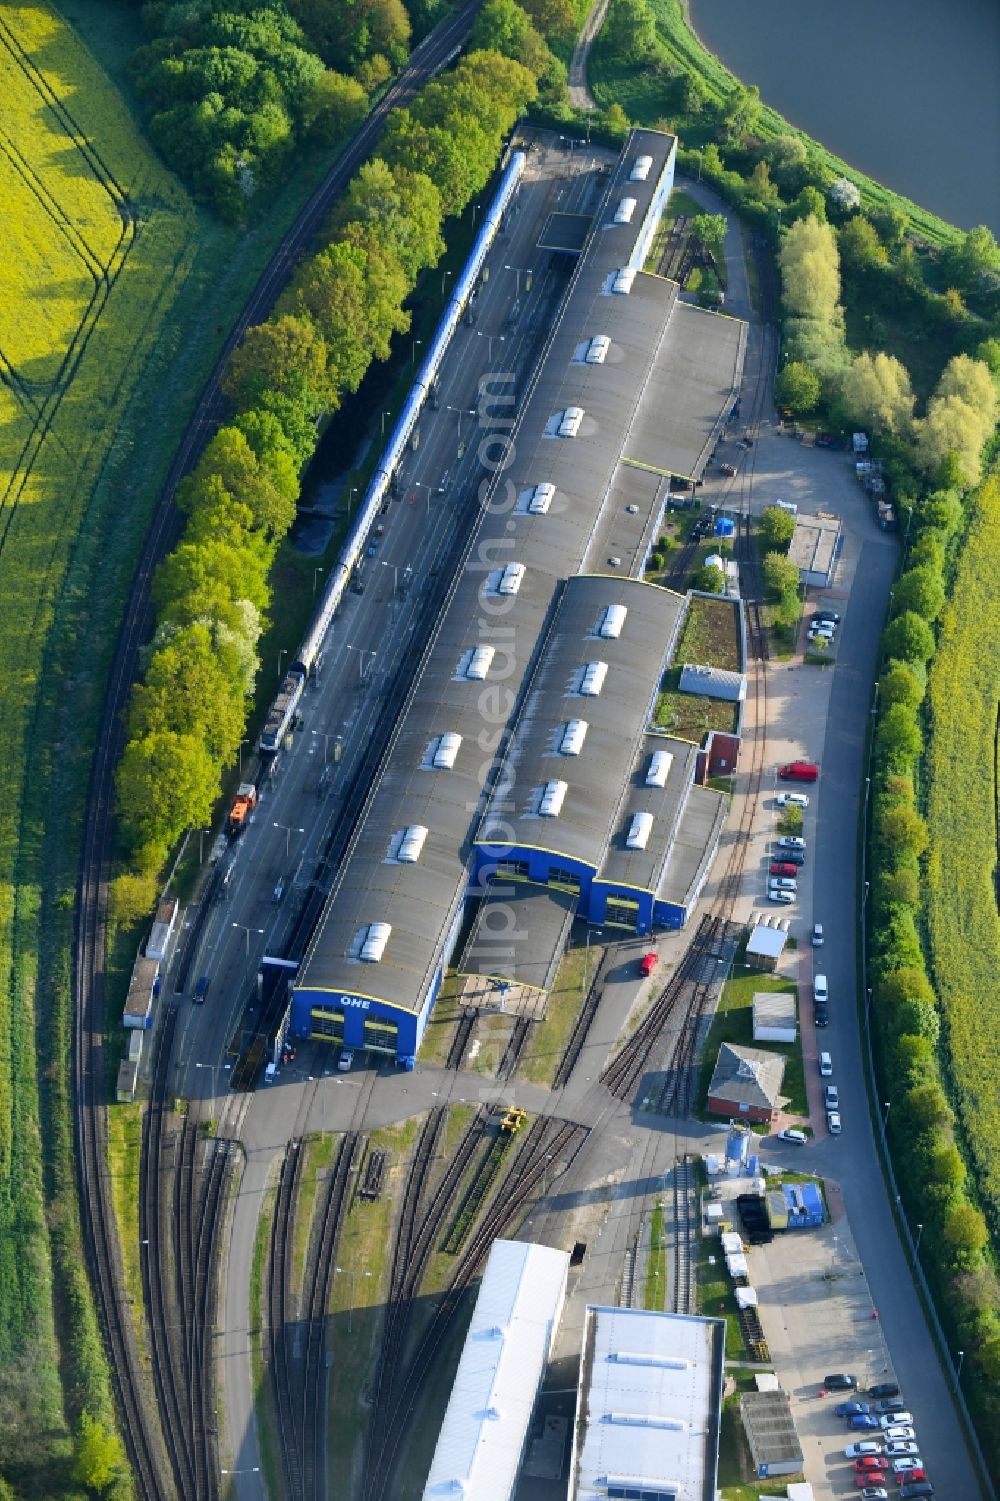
[(529, 952), (697, 375), (565, 232), (770, 1427), (421, 901), (616, 719), (814, 543), (693, 846)]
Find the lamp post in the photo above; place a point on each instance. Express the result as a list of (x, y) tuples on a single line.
[(413, 352), (363, 651), (444, 278), (490, 338), (215, 1069), (253, 1470), (350, 498), (887, 1106), (961, 1361), (326, 736), (349, 1271), (384, 416), (288, 830), (201, 845), (916, 1248), (247, 931), (527, 278), (316, 574), (242, 744), (395, 575), (282, 653)]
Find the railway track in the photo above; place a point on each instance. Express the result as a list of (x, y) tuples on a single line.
[(685, 1239), (515, 1047), (460, 1041), (296, 1337), (546, 1141), (582, 1024), (144, 1444)]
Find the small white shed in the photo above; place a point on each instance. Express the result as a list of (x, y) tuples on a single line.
[(774, 1016)]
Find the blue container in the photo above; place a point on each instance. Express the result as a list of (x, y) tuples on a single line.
[(725, 527)]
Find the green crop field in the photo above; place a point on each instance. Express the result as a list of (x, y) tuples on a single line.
[(97, 244), (964, 929)]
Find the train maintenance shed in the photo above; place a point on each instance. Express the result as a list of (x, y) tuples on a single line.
[(564, 499), (649, 1407), (488, 1418)]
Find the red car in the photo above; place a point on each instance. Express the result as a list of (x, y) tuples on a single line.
[(784, 868), (647, 964), (799, 771), (869, 1463)]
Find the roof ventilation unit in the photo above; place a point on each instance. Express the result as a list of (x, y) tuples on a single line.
[(375, 941), (639, 831), (641, 169), (624, 211), (573, 736), (446, 751), (411, 844), (597, 351), (479, 663), (553, 796), (541, 499), (510, 580), (659, 768), (593, 679), (612, 622), (623, 280)]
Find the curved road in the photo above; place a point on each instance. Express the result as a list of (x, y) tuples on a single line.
[(140, 1426)]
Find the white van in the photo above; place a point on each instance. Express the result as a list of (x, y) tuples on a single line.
[(820, 989), (825, 1066)]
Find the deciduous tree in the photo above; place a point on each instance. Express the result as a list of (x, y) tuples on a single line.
[(900, 684), (920, 590), (797, 388), (777, 527), (903, 831), (810, 271), (286, 355), (908, 638), (781, 575), (98, 1456), (876, 390)]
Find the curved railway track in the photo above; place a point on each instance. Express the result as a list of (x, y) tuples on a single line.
[(685, 1240), (545, 1141), (143, 1443)]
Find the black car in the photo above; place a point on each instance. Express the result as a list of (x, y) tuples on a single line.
[(883, 1389), (822, 1019), (917, 1489), (830, 617), (840, 1382), (791, 857), (893, 1404), (201, 990)]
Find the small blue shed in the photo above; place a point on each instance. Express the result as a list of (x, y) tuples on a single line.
[(725, 526), (804, 1203)]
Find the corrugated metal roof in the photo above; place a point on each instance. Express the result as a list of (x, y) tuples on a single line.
[(485, 1427), (649, 1405)]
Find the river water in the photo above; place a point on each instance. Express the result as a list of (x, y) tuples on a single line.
[(906, 90)]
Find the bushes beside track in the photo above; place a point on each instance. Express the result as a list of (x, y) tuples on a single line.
[(340, 311)]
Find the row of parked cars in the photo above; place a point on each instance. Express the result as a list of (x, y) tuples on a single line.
[(892, 1452)]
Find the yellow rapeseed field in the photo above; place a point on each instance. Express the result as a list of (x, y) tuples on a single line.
[(98, 240)]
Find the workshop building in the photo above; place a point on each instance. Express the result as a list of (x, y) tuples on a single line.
[(546, 589), (771, 1434), (746, 1082), (488, 1419), (814, 549), (649, 1406)]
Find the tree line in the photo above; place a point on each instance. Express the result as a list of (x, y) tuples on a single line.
[(340, 311)]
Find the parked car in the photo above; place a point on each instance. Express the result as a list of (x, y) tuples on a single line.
[(831, 1097), (900, 1431), (794, 857), (863, 1422), (893, 1420), (824, 628), (870, 1492), (816, 936), (201, 989), (833, 1122), (647, 964), (916, 1492), (345, 1061), (871, 1463), (824, 614), (825, 1071), (821, 1016), (840, 1382), (891, 1404), (783, 868), (908, 1471), (791, 842), (852, 1409), (865, 1448), (784, 897), (799, 771), (783, 883), (792, 800), (821, 991), (882, 1389), (902, 1448), (792, 1133)]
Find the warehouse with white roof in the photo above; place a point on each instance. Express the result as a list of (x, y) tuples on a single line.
[(591, 450), (649, 1407), (488, 1419)]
